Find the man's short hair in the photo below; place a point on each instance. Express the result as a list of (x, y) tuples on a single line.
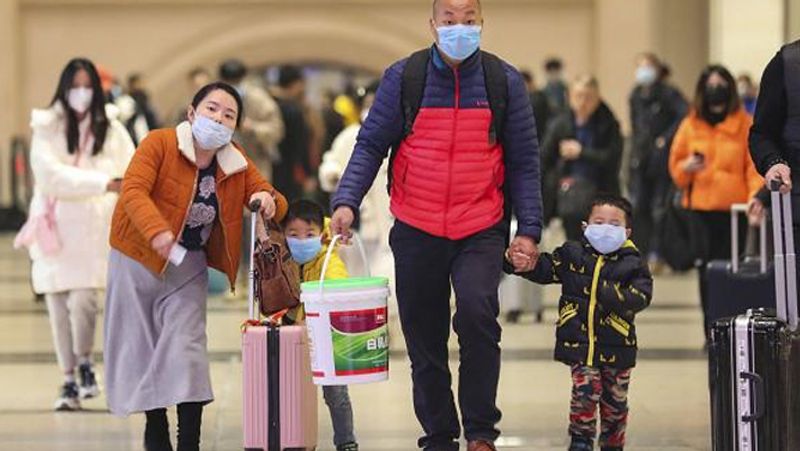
[(552, 64), (232, 70), (288, 75), (436, 4)]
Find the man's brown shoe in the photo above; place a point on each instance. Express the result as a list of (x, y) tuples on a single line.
[(480, 445)]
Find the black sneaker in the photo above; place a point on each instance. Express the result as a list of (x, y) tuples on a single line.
[(89, 387), (68, 400), (352, 446)]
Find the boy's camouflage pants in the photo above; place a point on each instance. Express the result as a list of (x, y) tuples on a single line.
[(609, 388)]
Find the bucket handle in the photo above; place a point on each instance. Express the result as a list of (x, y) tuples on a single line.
[(329, 254)]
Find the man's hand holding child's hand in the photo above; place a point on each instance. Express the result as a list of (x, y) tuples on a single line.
[(523, 254)]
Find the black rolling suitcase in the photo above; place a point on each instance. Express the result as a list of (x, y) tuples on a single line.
[(754, 361), (735, 286)]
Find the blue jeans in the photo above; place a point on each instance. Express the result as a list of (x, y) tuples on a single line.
[(338, 400)]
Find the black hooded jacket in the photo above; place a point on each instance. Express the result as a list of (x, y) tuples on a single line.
[(610, 289)]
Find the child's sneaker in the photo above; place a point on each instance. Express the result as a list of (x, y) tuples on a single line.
[(352, 446), (89, 387), (68, 400)]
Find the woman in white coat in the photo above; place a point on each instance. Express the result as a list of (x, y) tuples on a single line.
[(79, 152)]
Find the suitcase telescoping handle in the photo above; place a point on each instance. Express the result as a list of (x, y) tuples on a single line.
[(785, 259), (736, 209), (757, 394), (255, 206)]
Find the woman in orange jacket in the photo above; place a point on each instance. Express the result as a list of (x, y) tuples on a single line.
[(710, 162), (180, 211)]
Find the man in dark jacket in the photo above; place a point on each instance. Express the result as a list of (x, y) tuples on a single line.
[(541, 107), (581, 156), (294, 166), (775, 136), (447, 193), (657, 110)]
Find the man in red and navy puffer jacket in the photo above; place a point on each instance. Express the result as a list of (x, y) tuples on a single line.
[(447, 194)]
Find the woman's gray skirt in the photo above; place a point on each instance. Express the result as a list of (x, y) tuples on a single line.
[(155, 335)]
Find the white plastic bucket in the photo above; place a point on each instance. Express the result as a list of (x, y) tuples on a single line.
[(347, 327)]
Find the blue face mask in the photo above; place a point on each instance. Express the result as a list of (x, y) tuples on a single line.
[(459, 41), (210, 134), (605, 238), (304, 250)]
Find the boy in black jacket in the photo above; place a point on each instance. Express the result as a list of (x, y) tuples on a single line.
[(605, 282)]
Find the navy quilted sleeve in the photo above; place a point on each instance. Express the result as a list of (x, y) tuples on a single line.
[(382, 129), (522, 158)]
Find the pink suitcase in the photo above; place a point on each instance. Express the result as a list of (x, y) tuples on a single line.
[(280, 399)]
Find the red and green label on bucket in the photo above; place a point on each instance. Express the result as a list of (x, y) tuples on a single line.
[(360, 341)]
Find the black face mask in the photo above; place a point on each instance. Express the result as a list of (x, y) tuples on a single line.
[(717, 95)]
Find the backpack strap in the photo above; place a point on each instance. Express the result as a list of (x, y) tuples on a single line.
[(414, 75), (412, 88), (496, 80), (494, 75)]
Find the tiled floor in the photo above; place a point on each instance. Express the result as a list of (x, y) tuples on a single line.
[(669, 409)]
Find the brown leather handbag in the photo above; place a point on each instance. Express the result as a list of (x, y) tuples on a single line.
[(276, 274)]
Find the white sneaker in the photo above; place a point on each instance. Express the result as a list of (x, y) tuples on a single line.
[(68, 400)]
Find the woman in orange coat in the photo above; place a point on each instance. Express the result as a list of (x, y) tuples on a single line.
[(711, 163), (180, 211)]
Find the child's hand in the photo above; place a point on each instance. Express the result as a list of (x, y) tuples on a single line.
[(517, 259)]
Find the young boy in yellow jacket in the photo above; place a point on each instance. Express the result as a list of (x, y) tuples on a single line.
[(308, 240)]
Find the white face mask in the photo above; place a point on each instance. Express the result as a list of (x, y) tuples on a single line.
[(605, 238), (80, 99), (210, 134)]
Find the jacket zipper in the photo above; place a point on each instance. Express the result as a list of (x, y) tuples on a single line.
[(452, 150), (592, 305), (185, 217)]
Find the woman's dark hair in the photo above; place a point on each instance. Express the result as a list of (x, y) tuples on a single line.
[(219, 85), (734, 102), (305, 210), (97, 109)]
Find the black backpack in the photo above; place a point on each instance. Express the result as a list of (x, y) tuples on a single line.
[(413, 87)]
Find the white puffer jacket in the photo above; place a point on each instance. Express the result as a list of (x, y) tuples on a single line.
[(83, 207)]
